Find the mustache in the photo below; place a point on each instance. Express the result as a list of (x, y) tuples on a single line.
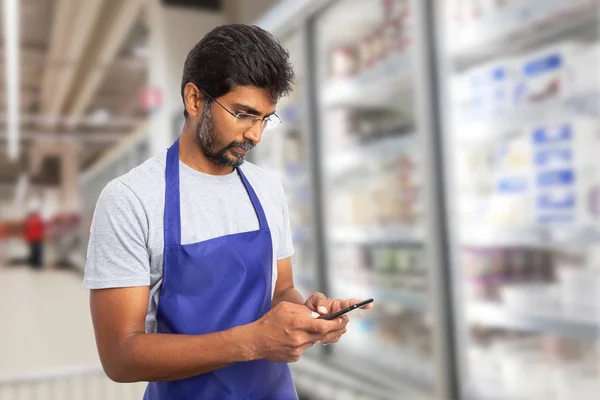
[(245, 145)]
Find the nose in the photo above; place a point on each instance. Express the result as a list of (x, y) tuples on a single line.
[(254, 133)]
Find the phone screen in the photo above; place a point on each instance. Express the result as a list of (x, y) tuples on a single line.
[(348, 309)]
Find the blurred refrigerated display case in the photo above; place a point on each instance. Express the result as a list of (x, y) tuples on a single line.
[(349, 154), (373, 208), (522, 142)]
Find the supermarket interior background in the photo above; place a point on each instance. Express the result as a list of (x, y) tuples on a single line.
[(438, 156)]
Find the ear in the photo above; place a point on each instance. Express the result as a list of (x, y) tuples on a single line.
[(193, 99)]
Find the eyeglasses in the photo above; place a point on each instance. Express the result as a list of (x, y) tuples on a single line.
[(247, 121)]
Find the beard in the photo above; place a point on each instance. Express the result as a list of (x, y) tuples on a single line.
[(206, 136)]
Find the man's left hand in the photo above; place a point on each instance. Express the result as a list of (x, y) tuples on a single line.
[(323, 305)]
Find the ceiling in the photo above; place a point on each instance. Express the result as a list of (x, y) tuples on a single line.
[(82, 67)]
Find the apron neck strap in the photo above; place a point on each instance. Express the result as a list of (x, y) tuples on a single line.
[(262, 219), (172, 216)]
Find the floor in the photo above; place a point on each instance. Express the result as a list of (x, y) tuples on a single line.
[(45, 321), (47, 347)]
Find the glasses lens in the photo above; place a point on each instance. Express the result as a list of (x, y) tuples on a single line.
[(245, 121), (272, 122)]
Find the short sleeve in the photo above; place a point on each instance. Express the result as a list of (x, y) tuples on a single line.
[(117, 250), (286, 246)]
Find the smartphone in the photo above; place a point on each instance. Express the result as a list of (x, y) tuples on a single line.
[(348, 309)]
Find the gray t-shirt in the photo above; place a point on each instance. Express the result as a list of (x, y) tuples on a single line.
[(126, 236)]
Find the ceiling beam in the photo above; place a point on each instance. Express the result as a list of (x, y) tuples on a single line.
[(85, 14), (122, 122), (125, 14), (63, 14), (37, 54), (83, 137)]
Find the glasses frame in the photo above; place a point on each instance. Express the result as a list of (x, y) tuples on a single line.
[(238, 116)]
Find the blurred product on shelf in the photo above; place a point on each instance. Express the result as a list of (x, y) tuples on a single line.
[(545, 74), (367, 57), (477, 24), (381, 266), (387, 196), (561, 281), (542, 176), (394, 329), (344, 63), (502, 87)]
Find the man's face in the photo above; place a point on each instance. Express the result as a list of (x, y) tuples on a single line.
[(226, 140)]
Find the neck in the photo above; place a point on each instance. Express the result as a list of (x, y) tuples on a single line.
[(191, 155)]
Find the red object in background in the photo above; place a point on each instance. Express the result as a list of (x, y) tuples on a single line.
[(151, 99), (34, 228), (3, 232)]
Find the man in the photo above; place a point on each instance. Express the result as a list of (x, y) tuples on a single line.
[(3, 239), (189, 254), (34, 235)]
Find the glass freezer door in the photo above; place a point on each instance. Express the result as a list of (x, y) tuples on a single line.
[(284, 151), (373, 188), (523, 139)]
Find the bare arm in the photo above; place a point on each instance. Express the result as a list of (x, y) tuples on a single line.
[(128, 354), (284, 288)]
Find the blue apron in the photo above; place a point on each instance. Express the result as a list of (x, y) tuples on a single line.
[(212, 286)]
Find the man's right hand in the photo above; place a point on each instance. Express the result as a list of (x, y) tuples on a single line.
[(285, 332)]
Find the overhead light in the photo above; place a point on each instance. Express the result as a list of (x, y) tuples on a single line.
[(11, 48)]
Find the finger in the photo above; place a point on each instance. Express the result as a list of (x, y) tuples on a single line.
[(321, 303), (314, 298), (333, 337), (365, 307), (344, 321), (297, 353), (337, 305), (351, 302), (320, 326)]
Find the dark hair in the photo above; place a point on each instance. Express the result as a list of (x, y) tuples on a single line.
[(232, 55)]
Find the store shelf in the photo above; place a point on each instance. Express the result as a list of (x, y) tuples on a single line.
[(520, 26), (538, 320), (488, 237), (533, 237), (412, 300), (488, 390), (374, 88), (359, 156), (501, 124), (392, 235)]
